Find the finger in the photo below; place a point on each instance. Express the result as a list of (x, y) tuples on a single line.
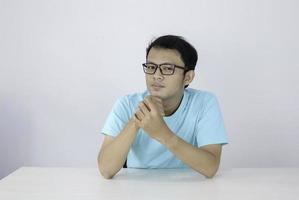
[(144, 108), (137, 120), (156, 99), (136, 117), (159, 106), (140, 109), (145, 102), (142, 104), (149, 102), (139, 115), (158, 102)]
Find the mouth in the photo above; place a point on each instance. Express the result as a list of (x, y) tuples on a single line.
[(157, 86)]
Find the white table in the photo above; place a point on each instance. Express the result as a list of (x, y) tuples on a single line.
[(34, 183)]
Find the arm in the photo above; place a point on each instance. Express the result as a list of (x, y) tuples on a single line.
[(204, 160), (114, 151)]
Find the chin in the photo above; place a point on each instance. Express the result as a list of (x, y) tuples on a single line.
[(158, 94)]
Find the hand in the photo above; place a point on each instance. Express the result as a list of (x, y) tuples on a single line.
[(149, 117), (158, 102)]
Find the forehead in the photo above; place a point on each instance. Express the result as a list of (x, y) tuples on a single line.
[(160, 55)]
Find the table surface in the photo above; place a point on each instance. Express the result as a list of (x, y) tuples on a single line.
[(32, 183)]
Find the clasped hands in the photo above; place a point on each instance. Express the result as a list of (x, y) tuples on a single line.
[(149, 117)]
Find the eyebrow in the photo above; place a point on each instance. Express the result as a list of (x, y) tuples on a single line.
[(161, 63)]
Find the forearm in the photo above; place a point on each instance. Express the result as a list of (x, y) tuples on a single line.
[(112, 157), (200, 160)]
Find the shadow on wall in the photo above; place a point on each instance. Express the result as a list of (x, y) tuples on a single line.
[(15, 134)]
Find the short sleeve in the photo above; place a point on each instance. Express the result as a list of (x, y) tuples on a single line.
[(210, 126), (117, 118)]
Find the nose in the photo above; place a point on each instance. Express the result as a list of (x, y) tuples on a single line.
[(158, 74)]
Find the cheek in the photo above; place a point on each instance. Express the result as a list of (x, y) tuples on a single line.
[(177, 81), (147, 78)]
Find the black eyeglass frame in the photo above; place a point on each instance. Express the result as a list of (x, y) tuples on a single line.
[(159, 66)]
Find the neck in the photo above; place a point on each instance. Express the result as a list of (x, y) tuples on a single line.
[(171, 105)]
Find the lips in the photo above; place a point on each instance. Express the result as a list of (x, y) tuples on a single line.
[(157, 85)]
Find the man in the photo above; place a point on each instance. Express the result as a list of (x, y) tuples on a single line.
[(168, 125)]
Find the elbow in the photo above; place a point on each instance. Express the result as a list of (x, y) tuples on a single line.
[(211, 172), (106, 175), (208, 173), (103, 170)]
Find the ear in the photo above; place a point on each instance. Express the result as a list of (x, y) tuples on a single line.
[(189, 76)]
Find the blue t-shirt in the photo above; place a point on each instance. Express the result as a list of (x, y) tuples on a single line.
[(198, 121)]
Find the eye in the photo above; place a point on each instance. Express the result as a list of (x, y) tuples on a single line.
[(150, 66), (167, 67)]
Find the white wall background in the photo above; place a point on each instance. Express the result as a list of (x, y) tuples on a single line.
[(63, 63)]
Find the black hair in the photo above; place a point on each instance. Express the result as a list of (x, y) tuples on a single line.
[(187, 52)]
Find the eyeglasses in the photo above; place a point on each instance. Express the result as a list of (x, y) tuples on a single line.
[(165, 68)]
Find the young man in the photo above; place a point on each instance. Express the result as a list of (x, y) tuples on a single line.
[(168, 125)]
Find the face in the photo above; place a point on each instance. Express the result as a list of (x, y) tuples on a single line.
[(166, 86)]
